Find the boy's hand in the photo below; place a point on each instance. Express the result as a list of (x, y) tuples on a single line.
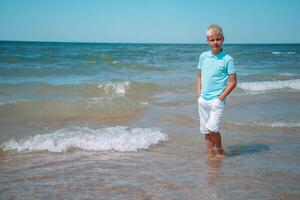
[(231, 85)]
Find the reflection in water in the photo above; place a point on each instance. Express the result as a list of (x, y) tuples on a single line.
[(1, 153), (214, 172)]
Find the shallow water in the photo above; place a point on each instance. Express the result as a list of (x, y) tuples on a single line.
[(119, 121), (259, 165)]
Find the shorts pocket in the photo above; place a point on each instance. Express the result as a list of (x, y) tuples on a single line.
[(218, 103), (199, 99)]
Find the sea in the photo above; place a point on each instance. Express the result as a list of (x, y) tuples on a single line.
[(120, 121)]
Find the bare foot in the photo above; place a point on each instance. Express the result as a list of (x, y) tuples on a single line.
[(210, 153), (220, 153)]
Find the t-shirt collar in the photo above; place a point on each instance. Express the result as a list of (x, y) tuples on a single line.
[(219, 55)]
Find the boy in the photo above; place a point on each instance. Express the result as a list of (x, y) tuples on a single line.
[(215, 68)]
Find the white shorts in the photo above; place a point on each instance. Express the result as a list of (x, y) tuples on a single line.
[(210, 112)]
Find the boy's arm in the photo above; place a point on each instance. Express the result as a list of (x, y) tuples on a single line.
[(198, 83), (231, 85)]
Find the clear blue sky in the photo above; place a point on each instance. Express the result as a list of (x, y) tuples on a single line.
[(149, 21)]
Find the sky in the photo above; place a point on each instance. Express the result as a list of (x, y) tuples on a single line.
[(149, 21)]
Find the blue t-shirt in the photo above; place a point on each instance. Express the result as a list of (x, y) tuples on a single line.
[(214, 73)]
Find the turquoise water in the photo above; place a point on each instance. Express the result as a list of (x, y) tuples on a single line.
[(123, 118), (37, 74)]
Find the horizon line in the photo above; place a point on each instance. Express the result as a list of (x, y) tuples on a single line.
[(87, 42)]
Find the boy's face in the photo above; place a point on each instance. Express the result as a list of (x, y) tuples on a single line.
[(215, 41)]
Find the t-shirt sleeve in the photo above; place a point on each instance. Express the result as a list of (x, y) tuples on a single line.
[(230, 67), (199, 67)]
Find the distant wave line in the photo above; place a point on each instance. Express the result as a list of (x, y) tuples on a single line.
[(270, 85)]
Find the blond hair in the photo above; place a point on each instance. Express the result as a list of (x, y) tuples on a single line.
[(214, 28)]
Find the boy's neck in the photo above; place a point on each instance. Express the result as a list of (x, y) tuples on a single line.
[(216, 51)]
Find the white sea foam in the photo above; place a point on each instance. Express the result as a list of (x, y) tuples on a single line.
[(287, 74), (13, 102), (96, 101), (115, 89), (270, 85), (276, 52), (282, 124), (272, 124), (119, 138), (283, 52)]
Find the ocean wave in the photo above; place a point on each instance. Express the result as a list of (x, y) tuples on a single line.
[(283, 52), (119, 138), (270, 85), (7, 102), (287, 74), (116, 88), (44, 91), (271, 125)]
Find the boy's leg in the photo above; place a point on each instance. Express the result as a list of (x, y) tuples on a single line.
[(209, 144), (217, 142), (213, 125), (204, 109)]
